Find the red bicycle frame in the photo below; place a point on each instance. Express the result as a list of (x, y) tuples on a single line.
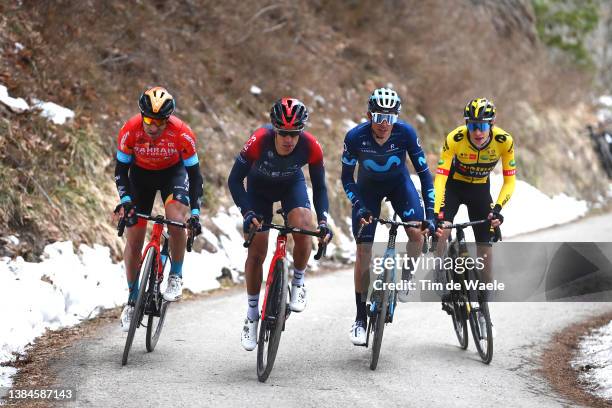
[(279, 253), (155, 242)]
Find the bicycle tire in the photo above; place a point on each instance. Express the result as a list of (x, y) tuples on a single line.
[(460, 324), (270, 331), (146, 269), (155, 323), (378, 325), (484, 346)]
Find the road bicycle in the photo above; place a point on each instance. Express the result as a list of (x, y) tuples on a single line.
[(384, 301), (150, 300), (468, 304), (275, 308)]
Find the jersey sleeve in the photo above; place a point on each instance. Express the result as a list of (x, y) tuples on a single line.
[(349, 162), (242, 165), (444, 164), (417, 157), (189, 153), (508, 168), (124, 156), (316, 169)]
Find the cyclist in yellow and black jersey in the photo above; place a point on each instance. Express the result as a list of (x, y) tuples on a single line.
[(469, 154)]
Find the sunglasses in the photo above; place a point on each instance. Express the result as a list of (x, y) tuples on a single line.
[(482, 126), (157, 122), (379, 118), (290, 133)]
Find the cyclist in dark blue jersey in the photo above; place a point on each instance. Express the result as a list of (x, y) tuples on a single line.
[(272, 161), (379, 146)]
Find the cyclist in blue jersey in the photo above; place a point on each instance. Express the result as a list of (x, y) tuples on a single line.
[(272, 161), (379, 146)]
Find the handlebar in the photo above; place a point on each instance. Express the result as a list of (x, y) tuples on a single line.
[(460, 226), (421, 225), (159, 219), (287, 229)]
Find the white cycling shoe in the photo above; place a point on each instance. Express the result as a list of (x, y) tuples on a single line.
[(249, 334), (358, 333), (298, 298), (174, 291), (126, 317)]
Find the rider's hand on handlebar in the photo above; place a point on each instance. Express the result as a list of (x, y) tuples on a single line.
[(440, 223), (194, 225), (326, 233), (495, 216), (430, 227), (127, 210), (365, 216), (250, 218)]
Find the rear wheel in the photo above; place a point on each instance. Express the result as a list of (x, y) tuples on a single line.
[(273, 323), (378, 323), (146, 269)]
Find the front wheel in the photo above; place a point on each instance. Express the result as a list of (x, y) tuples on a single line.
[(483, 336), (147, 268), (273, 323), (377, 324)]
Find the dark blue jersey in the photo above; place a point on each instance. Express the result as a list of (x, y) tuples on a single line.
[(384, 165), (264, 168)]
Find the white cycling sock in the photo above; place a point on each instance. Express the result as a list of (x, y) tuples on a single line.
[(298, 277), (252, 311)]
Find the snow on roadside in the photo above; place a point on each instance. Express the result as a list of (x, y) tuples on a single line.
[(594, 361)]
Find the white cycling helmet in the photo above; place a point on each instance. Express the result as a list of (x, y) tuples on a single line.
[(384, 100)]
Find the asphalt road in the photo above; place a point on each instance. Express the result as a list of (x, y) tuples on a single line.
[(199, 361)]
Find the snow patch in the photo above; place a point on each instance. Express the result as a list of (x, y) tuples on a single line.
[(54, 112), (17, 105), (594, 361), (255, 90)]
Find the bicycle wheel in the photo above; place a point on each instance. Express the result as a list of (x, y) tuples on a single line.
[(156, 319), (460, 323), (484, 344), (378, 324), (272, 326), (156, 323), (147, 267)]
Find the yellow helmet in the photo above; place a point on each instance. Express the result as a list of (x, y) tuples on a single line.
[(479, 109)]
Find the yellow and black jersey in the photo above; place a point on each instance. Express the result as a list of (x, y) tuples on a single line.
[(463, 161)]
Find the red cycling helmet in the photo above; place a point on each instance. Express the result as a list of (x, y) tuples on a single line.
[(289, 114)]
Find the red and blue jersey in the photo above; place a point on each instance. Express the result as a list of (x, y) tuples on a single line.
[(264, 168)]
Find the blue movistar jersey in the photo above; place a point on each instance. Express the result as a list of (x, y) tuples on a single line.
[(383, 165)]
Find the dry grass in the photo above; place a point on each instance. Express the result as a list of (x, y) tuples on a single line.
[(210, 53)]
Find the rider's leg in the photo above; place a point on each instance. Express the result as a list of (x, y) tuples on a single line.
[(135, 237), (253, 269), (301, 218), (176, 202), (177, 211)]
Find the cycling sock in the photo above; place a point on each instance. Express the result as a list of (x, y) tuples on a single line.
[(252, 312), (298, 277), (176, 268), (362, 313), (133, 288)]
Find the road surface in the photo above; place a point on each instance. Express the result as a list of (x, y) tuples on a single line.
[(199, 361)]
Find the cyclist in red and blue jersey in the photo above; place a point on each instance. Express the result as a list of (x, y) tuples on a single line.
[(380, 146), (156, 151), (272, 161)]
